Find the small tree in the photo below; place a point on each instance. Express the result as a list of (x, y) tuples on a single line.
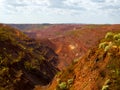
[(103, 45), (109, 36), (63, 85), (117, 36)]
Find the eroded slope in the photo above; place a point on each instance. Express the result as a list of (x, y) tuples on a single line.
[(99, 69), (24, 62)]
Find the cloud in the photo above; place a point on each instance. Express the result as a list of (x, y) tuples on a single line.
[(99, 1), (57, 3), (44, 8), (27, 2), (76, 5), (103, 7), (16, 6), (1, 3)]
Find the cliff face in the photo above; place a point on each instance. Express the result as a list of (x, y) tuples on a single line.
[(72, 41), (96, 70), (99, 69), (24, 62)]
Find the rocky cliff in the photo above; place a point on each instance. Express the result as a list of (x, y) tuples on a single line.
[(24, 62)]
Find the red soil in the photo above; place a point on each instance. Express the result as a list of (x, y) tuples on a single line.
[(72, 41)]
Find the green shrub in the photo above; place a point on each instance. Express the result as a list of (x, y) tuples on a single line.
[(117, 36), (108, 47), (109, 35), (63, 85), (70, 81), (117, 42), (28, 65), (105, 87), (76, 60), (103, 45), (107, 82), (4, 71)]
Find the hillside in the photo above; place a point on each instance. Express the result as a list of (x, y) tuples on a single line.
[(76, 47), (71, 41), (24, 62), (98, 69)]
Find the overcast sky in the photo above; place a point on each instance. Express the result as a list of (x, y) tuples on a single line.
[(60, 11)]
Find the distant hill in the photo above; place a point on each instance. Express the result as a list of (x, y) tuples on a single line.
[(30, 26)]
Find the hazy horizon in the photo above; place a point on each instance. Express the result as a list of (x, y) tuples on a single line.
[(60, 11)]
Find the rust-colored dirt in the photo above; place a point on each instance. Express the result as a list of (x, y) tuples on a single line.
[(72, 41)]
